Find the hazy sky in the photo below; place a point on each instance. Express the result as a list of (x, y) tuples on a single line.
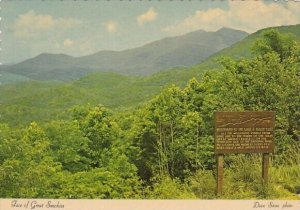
[(31, 27)]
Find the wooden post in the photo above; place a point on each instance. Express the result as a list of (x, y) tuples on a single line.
[(220, 163), (265, 167)]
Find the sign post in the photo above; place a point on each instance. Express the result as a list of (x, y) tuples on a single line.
[(243, 132), (220, 163), (265, 167)]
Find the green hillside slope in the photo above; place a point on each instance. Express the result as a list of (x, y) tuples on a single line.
[(243, 47)]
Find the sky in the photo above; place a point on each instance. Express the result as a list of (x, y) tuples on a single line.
[(78, 28)]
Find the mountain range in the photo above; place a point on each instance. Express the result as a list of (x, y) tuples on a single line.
[(180, 51), (23, 102)]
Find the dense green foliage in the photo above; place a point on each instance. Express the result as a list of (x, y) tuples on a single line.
[(164, 147)]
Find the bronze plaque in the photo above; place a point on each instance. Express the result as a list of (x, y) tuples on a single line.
[(244, 132)]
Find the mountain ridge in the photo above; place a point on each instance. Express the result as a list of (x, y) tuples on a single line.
[(185, 50)]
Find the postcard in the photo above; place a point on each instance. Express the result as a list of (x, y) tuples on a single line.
[(143, 105)]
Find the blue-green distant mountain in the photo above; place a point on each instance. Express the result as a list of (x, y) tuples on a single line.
[(181, 51), (6, 78)]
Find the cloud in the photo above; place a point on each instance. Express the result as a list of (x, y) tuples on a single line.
[(249, 16), (110, 26), (148, 16), (68, 42), (31, 24)]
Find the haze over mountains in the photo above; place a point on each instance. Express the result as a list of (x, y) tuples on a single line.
[(186, 50)]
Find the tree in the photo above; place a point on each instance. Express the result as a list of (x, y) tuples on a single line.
[(97, 125), (273, 41), (29, 170), (68, 145)]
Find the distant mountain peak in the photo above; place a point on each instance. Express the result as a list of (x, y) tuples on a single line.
[(227, 29), (52, 55), (197, 31)]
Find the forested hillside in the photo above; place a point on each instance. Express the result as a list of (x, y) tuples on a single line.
[(22, 103), (243, 48), (161, 148)]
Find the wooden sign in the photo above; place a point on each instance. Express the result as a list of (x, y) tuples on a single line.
[(243, 132)]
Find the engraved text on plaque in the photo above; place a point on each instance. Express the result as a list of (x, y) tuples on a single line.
[(244, 132)]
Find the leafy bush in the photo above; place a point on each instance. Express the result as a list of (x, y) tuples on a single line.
[(203, 184), (167, 188)]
